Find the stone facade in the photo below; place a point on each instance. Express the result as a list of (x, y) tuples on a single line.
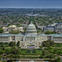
[(58, 28)]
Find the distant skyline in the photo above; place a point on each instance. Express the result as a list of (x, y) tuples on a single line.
[(30, 3)]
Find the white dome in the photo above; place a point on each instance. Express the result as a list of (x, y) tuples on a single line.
[(12, 26), (31, 29)]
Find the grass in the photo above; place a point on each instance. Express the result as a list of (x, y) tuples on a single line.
[(58, 44), (31, 52)]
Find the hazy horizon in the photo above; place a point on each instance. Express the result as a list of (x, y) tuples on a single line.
[(30, 3)]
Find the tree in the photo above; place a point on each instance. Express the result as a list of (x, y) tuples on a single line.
[(47, 43), (58, 59), (1, 30), (48, 55), (18, 43), (14, 32), (12, 44), (50, 32)]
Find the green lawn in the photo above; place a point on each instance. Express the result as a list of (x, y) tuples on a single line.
[(58, 44), (31, 52)]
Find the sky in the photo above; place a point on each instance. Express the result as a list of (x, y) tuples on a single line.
[(30, 3)]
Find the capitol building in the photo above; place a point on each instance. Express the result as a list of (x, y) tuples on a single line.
[(31, 39)]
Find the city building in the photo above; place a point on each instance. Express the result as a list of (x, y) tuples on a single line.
[(58, 27), (57, 38), (12, 28), (49, 28)]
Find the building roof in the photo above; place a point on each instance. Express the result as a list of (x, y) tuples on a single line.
[(49, 26), (54, 35), (7, 34)]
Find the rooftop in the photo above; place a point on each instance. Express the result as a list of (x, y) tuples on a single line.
[(54, 35)]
